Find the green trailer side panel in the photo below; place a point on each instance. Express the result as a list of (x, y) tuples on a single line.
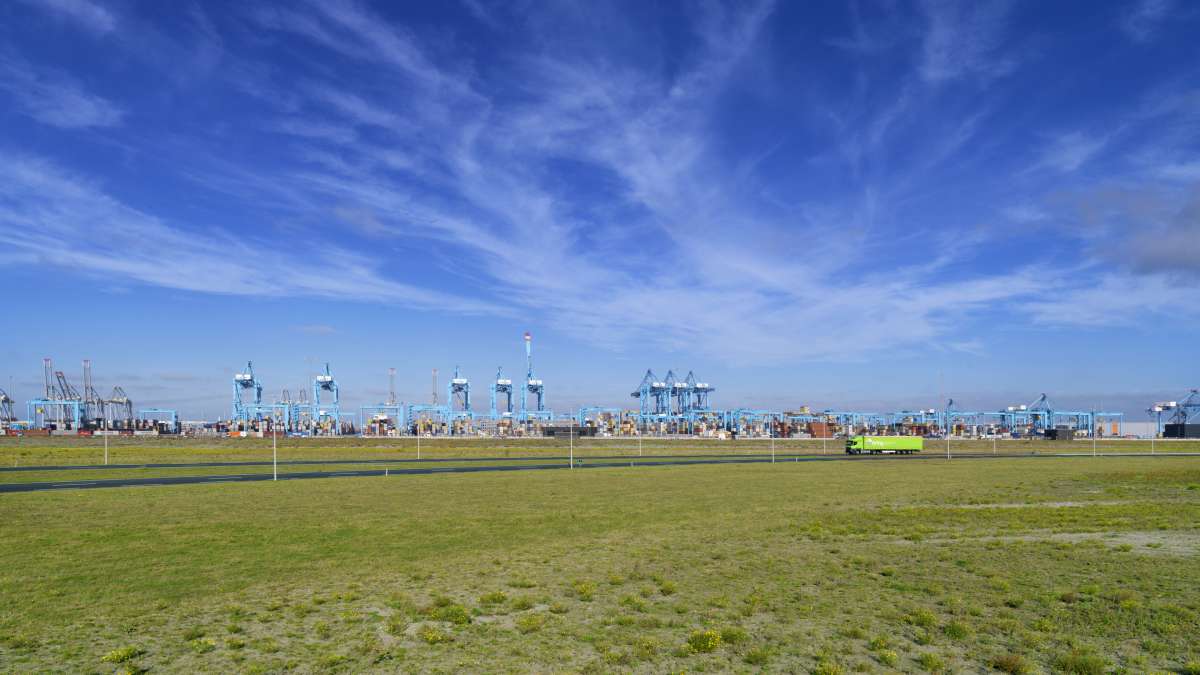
[(914, 443)]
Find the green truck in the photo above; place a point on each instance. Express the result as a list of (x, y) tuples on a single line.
[(884, 445)]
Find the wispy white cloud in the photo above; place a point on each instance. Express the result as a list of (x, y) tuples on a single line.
[(55, 98), (676, 247), (45, 208), (1144, 17), (965, 39), (1068, 152), (732, 289), (89, 15)]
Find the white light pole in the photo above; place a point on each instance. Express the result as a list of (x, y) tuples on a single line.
[(275, 446), (772, 442)]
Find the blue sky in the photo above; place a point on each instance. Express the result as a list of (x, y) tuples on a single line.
[(868, 204)]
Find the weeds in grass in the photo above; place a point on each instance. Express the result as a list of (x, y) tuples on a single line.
[(265, 645), (18, 641), (202, 645), (522, 603), (122, 655), (854, 633), (888, 657), (433, 635), (193, 633), (402, 603), (235, 643), (521, 583), (530, 623), (734, 635), (1014, 664), (1191, 667), (451, 613), (558, 608), (1079, 662), (879, 642), (931, 662), (616, 580), (922, 617), (757, 656), (703, 641), (331, 660), (633, 602), (584, 590), (957, 630), (493, 598), (322, 630), (667, 588), (396, 625), (923, 637), (645, 648), (828, 668)]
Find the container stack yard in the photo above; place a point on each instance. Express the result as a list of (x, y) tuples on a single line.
[(670, 406)]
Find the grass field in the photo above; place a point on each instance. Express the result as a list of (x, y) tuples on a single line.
[(27, 451), (1081, 565)]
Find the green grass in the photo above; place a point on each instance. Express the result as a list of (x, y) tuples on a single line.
[(58, 450), (1013, 565)]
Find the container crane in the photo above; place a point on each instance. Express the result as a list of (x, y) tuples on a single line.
[(7, 416), (501, 386), (118, 401), (532, 384), (458, 391), (329, 409), (245, 383)]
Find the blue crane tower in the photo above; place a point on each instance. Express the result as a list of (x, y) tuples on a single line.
[(654, 396), (1182, 412), (326, 411), (700, 393), (502, 385), (459, 391), (246, 383), (532, 384)]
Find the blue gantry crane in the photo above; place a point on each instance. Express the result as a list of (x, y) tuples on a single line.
[(246, 384), (533, 386), (326, 410), (458, 392), (1183, 412), (501, 386)]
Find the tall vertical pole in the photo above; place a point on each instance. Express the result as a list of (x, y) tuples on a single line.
[(275, 446), (106, 440), (418, 439), (571, 440), (1093, 420), (772, 441)]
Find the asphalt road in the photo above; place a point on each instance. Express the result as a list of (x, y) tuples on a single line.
[(586, 463)]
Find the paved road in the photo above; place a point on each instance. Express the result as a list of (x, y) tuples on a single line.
[(586, 463)]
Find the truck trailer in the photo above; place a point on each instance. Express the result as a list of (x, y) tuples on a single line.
[(884, 445)]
